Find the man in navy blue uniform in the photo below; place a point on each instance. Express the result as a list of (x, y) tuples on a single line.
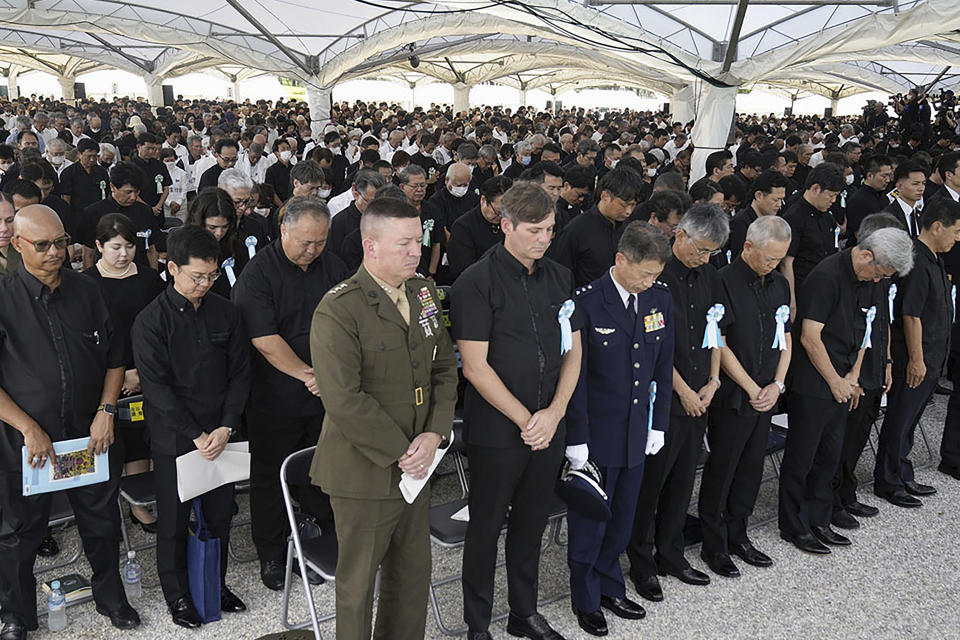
[(628, 345)]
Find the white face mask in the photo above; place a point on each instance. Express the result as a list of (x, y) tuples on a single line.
[(458, 192), (56, 160), (263, 211), (652, 172), (335, 150), (285, 155), (849, 179), (170, 165), (324, 193)]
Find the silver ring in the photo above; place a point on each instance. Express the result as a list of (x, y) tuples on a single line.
[(36, 459)]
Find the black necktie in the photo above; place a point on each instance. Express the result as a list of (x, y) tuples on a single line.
[(914, 231), (632, 309)]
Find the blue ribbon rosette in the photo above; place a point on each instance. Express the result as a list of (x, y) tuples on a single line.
[(251, 243), (891, 296), (566, 333), (227, 267), (871, 314), (653, 398), (711, 336), (780, 339), (953, 299)]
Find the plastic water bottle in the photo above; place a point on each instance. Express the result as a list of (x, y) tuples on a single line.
[(56, 608), (132, 573)]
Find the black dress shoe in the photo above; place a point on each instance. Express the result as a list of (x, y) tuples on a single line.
[(751, 555), (230, 603), (844, 520), (953, 472), (917, 489), (689, 576), (48, 547), (593, 623), (721, 564), (271, 574), (826, 535), (899, 498), (648, 588), (184, 614), (861, 510), (13, 631), (807, 543), (623, 607), (148, 527), (535, 627), (479, 635), (313, 577), (125, 617)]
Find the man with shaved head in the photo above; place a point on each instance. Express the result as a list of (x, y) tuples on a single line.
[(54, 323), (454, 199)]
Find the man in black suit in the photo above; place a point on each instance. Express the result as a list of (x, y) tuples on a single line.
[(910, 178)]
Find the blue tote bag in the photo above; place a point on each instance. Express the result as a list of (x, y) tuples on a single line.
[(203, 567)]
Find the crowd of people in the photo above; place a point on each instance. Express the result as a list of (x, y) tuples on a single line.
[(258, 276)]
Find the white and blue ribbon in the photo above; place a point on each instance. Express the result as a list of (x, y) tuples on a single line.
[(653, 398), (891, 296), (227, 267), (780, 339), (836, 237), (427, 230), (871, 314), (146, 238), (251, 243), (953, 299), (712, 339), (729, 256), (566, 332)]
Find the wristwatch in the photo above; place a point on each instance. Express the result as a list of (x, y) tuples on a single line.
[(717, 380), (782, 387), (108, 409)]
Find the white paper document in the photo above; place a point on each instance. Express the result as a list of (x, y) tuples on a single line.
[(411, 488), (196, 475)]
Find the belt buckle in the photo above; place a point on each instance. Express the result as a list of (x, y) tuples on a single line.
[(418, 395)]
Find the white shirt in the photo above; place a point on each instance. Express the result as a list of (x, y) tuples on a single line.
[(953, 194), (624, 294), (442, 155), (178, 190), (386, 151), (307, 148), (182, 154), (257, 172), (908, 211), (816, 159), (340, 202), (500, 135)]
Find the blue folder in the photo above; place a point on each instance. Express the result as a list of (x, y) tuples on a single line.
[(74, 468)]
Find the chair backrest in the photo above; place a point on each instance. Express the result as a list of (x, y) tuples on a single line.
[(295, 470)]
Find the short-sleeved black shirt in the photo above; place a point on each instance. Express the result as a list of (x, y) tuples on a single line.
[(738, 230), (864, 202), (126, 297), (751, 329), (923, 293), (342, 225), (813, 237), (210, 177), (278, 176), (155, 178), (433, 235), (835, 299), (497, 301), (276, 297), (55, 348), (587, 246), (472, 235), (694, 291), (84, 188), (147, 225)]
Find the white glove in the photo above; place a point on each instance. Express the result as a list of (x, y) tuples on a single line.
[(578, 454), (654, 442)]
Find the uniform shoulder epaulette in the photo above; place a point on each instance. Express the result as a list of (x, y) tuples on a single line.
[(341, 288), (419, 276), (585, 289), (661, 284)]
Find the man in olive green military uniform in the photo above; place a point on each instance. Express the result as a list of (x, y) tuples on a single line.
[(387, 376)]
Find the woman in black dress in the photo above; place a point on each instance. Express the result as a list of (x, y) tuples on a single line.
[(213, 209), (127, 288)]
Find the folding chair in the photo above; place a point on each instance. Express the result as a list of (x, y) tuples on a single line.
[(319, 553), (240, 487)]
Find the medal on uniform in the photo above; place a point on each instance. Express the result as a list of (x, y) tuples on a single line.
[(871, 314), (159, 180), (654, 321), (780, 339), (566, 331), (251, 243), (425, 325), (427, 230), (712, 339), (892, 295), (228, 269), (103, 190)]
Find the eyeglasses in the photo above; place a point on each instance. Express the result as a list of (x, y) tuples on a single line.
[(227, 160), (204, 278), (416, 186), (243, 204), (703, 252), (42, 246)]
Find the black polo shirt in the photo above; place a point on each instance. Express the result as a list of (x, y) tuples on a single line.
[(210, 177), (140, 214), (63, 211), (83, 187), (813, 238), (194, 367), (751, 329), (276, 297), (55, 348), (694, 291), (738, 230), (835, 299), (278, 176), (864, 202), (587, 246), (566, 213), (447, 208), (497, 301), (923, 293), (155, 178), (472, 235), (342, 225), (433, 235)]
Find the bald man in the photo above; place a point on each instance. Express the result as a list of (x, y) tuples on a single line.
[(54, 323), (454, 199)]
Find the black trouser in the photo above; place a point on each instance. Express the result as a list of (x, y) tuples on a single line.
[(731, 477), (23, 524), (950, 444), (522, 479), (810, 459), (904, 408), (172, 518), (664, 496), (859, 423), (272, 439)]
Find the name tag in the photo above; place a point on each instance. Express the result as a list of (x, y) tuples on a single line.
[(653, 322), (136, 412)]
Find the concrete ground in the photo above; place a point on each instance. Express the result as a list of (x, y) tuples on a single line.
[(899, 579)]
